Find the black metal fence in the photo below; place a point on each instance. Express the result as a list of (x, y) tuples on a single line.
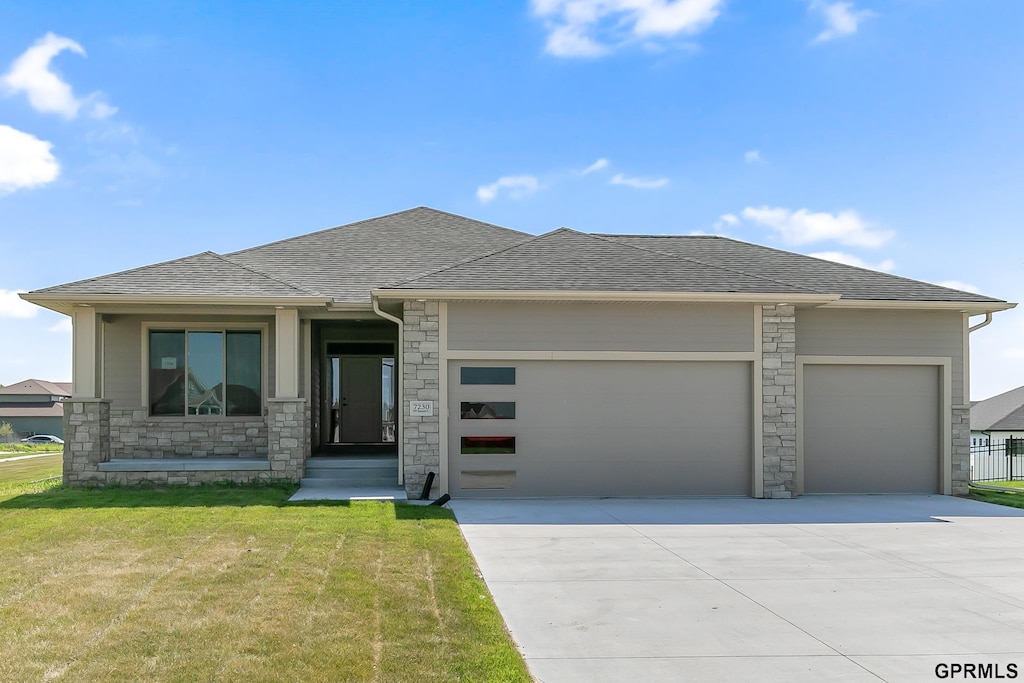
[(998, 461)]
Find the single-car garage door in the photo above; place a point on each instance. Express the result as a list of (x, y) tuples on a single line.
[(599, 428), (871, 429)]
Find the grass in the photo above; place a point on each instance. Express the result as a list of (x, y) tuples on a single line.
[(232, 583), (26, 448), (16, 473), (1008, 498)]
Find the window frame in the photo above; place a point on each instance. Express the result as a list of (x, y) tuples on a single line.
[(184, 326)]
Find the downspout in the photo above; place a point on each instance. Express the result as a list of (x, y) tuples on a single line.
[(399, 365), (986, 321)]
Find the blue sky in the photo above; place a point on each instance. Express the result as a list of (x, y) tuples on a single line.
[(887, 133)]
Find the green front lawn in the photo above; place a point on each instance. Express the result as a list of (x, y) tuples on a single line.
[(14, 473), (1011, 499), (232, 583)]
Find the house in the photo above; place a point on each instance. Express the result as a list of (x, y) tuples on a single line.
[(34, 407), (563, 364), (998, 418)]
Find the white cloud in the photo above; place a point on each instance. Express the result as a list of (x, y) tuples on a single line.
[(639, 183), (13, 306), (517, 186), (804, 227), (962, 286), (47, 93), (729, 219), (598, 165), (25, 161), (841, 19), (592, 28), (886, 266), (62, 326), (753, 157), (102, 110)]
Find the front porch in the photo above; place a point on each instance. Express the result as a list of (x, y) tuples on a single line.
[(331, 416)]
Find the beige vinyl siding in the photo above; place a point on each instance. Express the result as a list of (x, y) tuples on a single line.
[(122, 352), (822, 332), (600, 327)]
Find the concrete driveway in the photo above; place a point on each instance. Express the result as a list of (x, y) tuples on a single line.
[(822, 588)]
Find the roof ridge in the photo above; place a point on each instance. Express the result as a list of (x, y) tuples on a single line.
[(266, 275), (709, 265), (367, 220), (470, 259)]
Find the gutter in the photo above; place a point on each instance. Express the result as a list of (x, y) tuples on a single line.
[(400, 369), (987, 321)]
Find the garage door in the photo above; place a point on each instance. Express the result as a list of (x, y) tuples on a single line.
[(871, 429), (599, 428)]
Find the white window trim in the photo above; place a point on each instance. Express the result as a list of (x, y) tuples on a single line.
[(174, 326)]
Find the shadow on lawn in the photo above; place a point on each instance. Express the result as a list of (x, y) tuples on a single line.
[(206, 495)]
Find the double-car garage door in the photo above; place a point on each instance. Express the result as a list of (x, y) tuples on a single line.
[(599, 428), (666, 428)]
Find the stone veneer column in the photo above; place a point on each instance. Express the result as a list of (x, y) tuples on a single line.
[(287, 437), (87, 440), (961, 465), (420, 382), (778, 399)]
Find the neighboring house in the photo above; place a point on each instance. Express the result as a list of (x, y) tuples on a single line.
[(34, 407), (998, 418), (564, 364)]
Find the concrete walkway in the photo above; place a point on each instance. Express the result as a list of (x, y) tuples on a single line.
[(25, 457), (307, 492), (837, 588)]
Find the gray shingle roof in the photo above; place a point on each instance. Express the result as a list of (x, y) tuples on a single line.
[(37, 387), (797, 269), (205, 274), (568, 260), (425, 248), (1004, 412), (348, 261)]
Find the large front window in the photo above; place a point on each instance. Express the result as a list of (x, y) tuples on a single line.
[(205, 372)]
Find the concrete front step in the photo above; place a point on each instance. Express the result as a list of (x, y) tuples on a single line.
[(352, 462), (348, 482)]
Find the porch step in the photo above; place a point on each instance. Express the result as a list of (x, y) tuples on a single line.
[(366, 471)]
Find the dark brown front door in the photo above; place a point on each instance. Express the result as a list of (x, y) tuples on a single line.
[(360, 400)]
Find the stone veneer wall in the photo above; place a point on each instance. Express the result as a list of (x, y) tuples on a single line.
[(420, 382), (86, 440), (133, 434), (961, 474), (778, 399), (288, 437)]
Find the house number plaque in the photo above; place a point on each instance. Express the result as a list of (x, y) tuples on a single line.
[(421, 408)]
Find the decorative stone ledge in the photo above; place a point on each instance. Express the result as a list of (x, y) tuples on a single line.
[(185, 465)]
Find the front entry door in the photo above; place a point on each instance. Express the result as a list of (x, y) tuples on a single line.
[(360, 400)]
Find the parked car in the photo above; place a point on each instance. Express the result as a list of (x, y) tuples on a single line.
[(43, 438)]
